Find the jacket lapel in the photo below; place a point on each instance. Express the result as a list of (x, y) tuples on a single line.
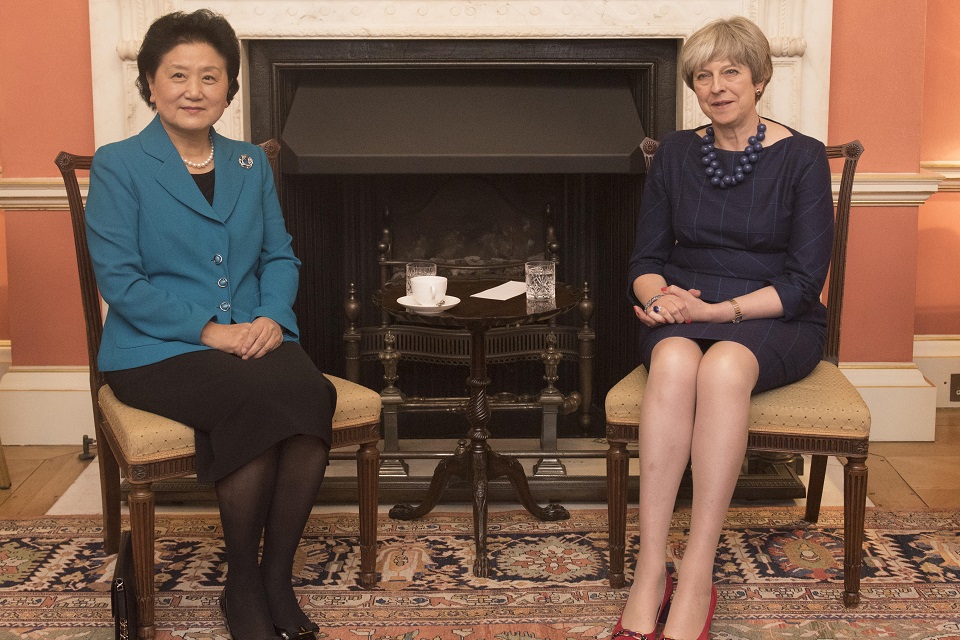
[(230, 176), (173, 175)]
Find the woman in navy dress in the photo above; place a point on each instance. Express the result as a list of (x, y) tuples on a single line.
[(733, 244)]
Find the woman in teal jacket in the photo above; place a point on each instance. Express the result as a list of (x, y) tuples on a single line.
[(194, 261)]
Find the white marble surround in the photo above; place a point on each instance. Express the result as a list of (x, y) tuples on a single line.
[(799, 32)]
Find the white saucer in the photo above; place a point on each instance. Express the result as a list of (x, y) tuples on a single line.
[(412, 305)]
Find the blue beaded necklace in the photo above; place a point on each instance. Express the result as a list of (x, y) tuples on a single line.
[(751, 154)]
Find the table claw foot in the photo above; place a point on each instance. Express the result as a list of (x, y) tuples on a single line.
[(553, 512), (405, 511)]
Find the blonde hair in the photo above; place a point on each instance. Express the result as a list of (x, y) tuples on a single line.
[(735, 39)]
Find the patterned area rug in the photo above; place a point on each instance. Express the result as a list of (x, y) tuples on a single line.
[(776, 578)]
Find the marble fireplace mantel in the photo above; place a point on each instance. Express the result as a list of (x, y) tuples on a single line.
[(799, 32)]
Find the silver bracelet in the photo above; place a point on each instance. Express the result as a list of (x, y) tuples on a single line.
[(646, 307)]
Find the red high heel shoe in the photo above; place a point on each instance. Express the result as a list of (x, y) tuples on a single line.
[(705, 634), (620, 632)]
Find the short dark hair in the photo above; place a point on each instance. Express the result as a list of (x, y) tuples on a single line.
[(173, 29)]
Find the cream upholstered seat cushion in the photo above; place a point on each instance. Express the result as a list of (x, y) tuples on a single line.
[(823, 401), (146, 437), (355, 404)]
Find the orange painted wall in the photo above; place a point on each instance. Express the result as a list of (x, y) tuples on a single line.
[(47, 100), (938, 259), (941, 135), (46, 105), (47, 319), (938, 266), (876, 96)]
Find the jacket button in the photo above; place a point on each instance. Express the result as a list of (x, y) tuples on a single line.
[(222, 283), (224, 306), (217, 259)]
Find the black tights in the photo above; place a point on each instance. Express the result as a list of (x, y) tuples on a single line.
[(271, 496)]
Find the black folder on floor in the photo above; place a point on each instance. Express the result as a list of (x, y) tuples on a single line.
[(123, 594)]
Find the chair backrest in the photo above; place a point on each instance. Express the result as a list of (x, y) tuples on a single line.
[(850, 152), (69, 164)]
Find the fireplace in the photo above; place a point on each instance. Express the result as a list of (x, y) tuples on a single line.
[(335, 201), (285, 42)]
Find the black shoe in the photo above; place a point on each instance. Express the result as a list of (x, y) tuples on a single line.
[(300, 633), (223, 610)]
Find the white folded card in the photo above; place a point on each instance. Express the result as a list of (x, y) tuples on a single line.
[(504, 291)]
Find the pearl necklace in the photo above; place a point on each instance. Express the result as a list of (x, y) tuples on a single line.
[(751, 154), (200, 165)]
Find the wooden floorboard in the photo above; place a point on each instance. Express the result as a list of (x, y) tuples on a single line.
[(39, 476), (887, 489)]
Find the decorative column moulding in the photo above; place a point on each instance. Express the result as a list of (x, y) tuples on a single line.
[(892, 189), (948, 169), (36, 194), (799, 31)]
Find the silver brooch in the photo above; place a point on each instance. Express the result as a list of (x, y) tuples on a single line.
[(246, 161)]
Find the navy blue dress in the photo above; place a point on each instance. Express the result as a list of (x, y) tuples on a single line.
[(775, 228)]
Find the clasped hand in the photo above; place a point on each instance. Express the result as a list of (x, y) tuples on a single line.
[(246, 340), (675, 306)]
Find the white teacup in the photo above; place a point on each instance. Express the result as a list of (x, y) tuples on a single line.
[(428, 291)]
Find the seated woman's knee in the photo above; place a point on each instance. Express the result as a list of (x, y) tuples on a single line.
[(730, 363), (676, 357)]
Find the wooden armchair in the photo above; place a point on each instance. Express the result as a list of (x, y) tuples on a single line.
[(821, 415), (392, 343), (147, 448)]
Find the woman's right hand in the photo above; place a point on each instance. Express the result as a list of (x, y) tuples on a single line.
[(676, 306), (246, 340)]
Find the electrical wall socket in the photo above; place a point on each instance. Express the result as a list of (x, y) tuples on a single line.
[(955, 387)]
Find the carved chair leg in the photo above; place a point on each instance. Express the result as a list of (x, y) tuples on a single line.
[(368, 462), (109, 493), (854, 514), (140, 501), (617, 474), (818, 471)]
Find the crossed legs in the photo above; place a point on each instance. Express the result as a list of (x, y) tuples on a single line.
[(271, 496), (695, 407)]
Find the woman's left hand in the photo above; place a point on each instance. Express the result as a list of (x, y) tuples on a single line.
[(263, 336)]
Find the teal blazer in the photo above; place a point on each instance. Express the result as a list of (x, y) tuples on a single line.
[(167, 262)]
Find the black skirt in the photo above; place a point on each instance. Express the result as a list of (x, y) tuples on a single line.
[(238, 408)]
